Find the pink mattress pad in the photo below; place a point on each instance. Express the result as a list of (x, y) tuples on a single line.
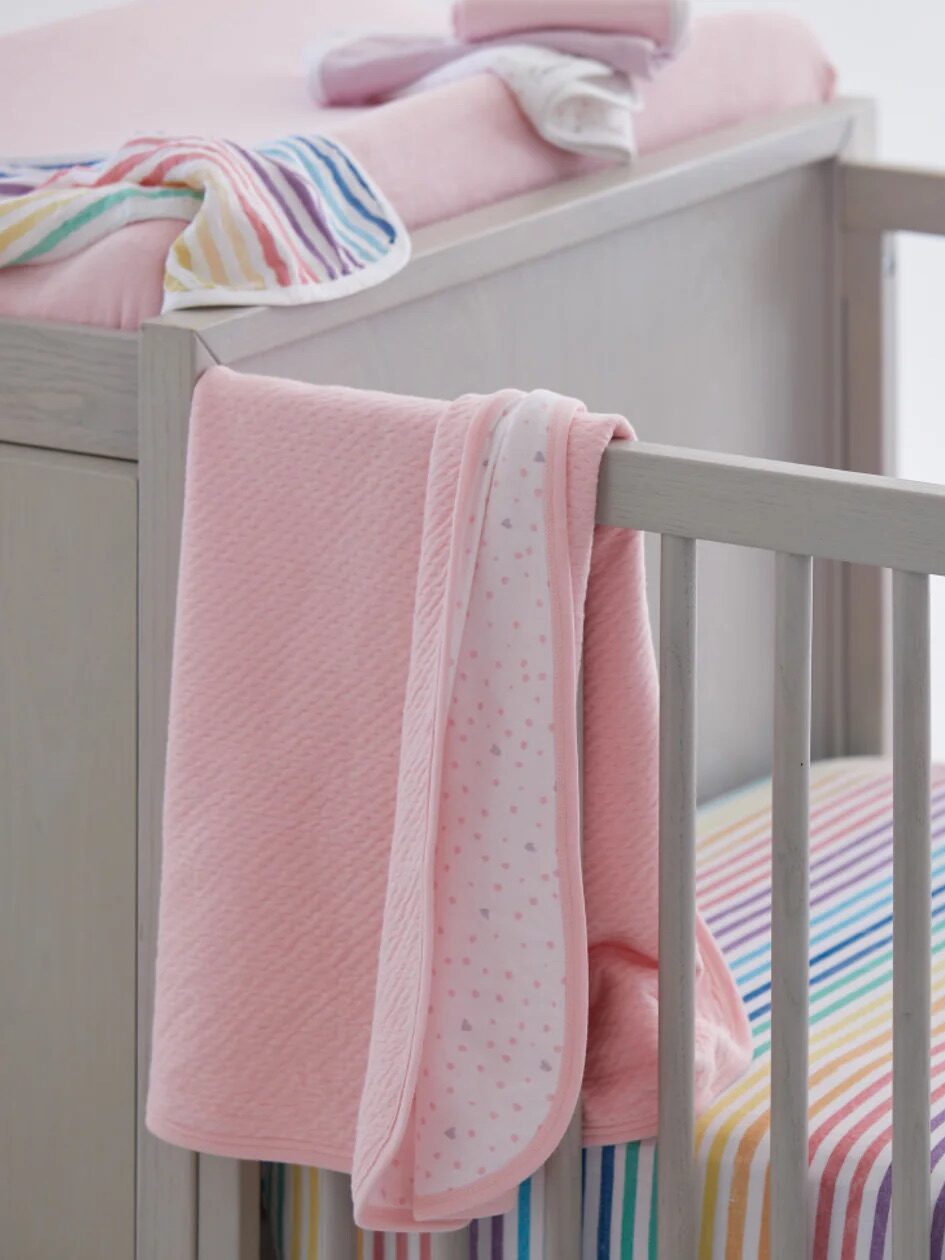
[(229, 68)]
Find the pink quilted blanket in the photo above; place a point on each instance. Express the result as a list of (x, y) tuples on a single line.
[(377, 952)]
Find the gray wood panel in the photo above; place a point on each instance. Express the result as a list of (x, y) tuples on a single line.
[(710, 327), (72, 389), (67, 857)]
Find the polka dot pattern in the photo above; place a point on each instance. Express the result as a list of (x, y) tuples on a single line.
[(496, 1019)]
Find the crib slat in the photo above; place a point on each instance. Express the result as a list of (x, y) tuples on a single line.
[(562, 1218), (911, 917), (677, 791), (451, 1246), (227, 1209), (336, 1232), (562, 1198), (790, 810)]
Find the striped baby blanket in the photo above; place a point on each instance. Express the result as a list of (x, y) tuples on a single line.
[(850, 1071), (290, 222)]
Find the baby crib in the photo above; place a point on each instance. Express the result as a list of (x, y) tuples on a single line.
[(93, 431)]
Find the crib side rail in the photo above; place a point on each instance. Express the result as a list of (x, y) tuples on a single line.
[(882, 198), (797, 513), (829, 513)]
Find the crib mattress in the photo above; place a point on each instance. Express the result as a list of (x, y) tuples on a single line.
[(850, 1070), (232, 68)]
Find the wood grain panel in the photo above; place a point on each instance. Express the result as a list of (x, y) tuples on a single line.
[(72, 389), (67, 857)]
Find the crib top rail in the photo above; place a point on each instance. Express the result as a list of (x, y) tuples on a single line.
[(822, 512)]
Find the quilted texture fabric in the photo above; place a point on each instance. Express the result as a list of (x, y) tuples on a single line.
[(333, 960)]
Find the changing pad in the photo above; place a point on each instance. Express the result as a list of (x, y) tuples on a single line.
[(227, 68), (850, 1070)]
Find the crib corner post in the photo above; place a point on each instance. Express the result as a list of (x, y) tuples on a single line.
[(868, 365), (171, 358)]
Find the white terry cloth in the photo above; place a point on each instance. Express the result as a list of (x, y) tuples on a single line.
[(577, 104)]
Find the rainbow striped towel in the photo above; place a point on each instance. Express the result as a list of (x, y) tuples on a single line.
[(294, 221), (850, 1067)]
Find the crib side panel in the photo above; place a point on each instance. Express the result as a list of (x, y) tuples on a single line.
[(67, 855)]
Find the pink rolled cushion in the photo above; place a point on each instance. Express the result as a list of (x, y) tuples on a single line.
[(663, 21), (372, 68)]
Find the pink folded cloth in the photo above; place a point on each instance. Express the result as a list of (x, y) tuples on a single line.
[(662, 21), (372, 68), (376, 952)]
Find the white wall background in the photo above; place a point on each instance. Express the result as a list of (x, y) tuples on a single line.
[(891, 50), (17, 14)]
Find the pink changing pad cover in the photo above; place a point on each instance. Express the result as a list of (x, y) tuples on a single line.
[(230, 68)]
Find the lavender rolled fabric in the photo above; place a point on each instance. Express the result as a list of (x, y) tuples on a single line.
[(371, 68)]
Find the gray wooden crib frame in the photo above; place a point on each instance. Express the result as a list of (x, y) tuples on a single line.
[(754, 313)]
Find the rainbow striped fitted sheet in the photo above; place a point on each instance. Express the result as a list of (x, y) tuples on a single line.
[(850, 1071)]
